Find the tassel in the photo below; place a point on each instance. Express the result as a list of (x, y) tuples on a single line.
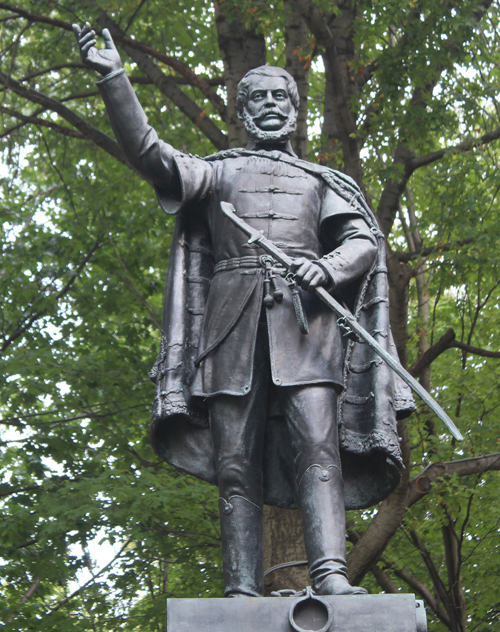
[(297, 304)]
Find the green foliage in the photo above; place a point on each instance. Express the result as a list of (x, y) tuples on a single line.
[(84, 256)]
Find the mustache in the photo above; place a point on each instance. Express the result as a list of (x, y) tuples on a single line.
[(273, 111), (260, 136)]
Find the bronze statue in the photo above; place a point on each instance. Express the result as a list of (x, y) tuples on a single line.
[(245, 398)]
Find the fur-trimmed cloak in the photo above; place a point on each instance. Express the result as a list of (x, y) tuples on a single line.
[(373, 399)]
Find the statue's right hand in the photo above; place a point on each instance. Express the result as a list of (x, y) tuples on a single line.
[(104, 61)]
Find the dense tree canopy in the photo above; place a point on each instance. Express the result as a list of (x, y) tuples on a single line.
[(402, 96)]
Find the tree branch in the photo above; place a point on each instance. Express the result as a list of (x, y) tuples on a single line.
[(133, 286), (391, 512), (404, 158), (388, 585), (101, 139), (45, 71), (427, 358), (27, 595), (420, 588), (60, 129), (64, 601), (447, 341), (382, 528), (124, 39), (17, 420), (38, 314), (12, 129), (383, 580), (180, 81), (422, 161), (404, 257), (134, 15), (19, 490), (422, 484), (211, 81), (485, 353), (439, 586)]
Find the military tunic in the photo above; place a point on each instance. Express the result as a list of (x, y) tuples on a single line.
[(304, 218), (296, 210)]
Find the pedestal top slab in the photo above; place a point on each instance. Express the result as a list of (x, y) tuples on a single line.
[(354, 613)]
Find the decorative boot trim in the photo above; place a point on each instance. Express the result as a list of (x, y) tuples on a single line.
[(228, 507), (324, 475)]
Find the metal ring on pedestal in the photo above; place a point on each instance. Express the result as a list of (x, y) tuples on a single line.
[(299, 610)]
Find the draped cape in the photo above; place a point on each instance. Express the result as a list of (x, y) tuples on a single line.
[(374, 397)]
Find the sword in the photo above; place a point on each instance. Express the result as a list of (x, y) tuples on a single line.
[(345, 317)]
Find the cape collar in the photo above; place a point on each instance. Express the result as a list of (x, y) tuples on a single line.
[(343, 185)]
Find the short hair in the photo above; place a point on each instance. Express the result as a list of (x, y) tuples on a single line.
[(266, 71)]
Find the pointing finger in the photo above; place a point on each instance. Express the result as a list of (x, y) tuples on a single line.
[(76, 30)]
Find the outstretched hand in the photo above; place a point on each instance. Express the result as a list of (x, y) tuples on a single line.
[(308, 275), (104, 61)]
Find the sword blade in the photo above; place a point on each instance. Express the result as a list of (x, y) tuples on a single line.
[(321, 293), (388, 358)]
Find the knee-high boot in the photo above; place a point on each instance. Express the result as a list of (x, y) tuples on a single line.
[(323, 518), (242, 531)]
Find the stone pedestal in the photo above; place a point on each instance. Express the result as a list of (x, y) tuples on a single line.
[(354, 613)]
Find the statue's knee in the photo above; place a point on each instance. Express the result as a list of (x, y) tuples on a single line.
[(236, 479), (322, 456)]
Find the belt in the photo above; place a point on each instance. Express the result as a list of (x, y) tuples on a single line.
[(270, 267), (250, 261)]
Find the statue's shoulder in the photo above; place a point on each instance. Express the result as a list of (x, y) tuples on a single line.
[(328, 174), (226, 154), (341, 183)]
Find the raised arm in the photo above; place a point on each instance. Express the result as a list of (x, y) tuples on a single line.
[(152, 157)]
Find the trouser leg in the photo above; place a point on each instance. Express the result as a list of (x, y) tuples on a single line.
[(238, 428), (311, 414)]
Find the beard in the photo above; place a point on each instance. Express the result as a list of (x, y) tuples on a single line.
[(269, 136)]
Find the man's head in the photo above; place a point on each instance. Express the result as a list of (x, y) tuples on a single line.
[(267, 102)]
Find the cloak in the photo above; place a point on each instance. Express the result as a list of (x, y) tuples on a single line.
[(372, 401)]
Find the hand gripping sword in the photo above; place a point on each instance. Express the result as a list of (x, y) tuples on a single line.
[(345, 318)]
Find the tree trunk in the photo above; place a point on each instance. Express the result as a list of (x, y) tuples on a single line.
[(382, 528), (284, 542), (423, 324), (399, 277), (452, 547), (241, 50), (295, 41)]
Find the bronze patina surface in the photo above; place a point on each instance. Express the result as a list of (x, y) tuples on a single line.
[(258, 390)]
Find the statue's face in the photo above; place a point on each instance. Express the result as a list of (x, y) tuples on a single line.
[(268, 103)]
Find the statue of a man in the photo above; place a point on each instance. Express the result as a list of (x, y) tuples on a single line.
[(244, 399)]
